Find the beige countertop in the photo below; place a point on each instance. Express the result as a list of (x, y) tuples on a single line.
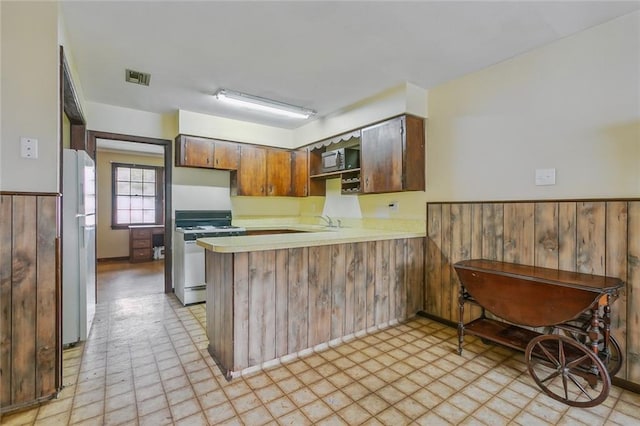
[(311, 235)]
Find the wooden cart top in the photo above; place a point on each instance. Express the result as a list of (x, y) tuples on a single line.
[(587, 282)]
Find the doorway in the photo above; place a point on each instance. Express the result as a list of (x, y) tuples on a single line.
[(135, 145)]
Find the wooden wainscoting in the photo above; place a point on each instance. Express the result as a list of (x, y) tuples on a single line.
[(30, 349), (263, 305), (597, 236)]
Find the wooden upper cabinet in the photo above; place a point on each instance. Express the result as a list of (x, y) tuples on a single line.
[(279, 170), (226, 155), (251, 176), (300, 180), (392, 156), (194, 152)]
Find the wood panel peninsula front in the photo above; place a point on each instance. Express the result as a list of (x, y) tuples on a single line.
[(273, 295)]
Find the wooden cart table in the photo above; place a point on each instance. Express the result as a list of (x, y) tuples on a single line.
[(574, 358)]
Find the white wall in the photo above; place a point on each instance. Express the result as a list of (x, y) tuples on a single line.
[(193, 123), (404, 98), (573, 105), (109, 118), (29, 97)]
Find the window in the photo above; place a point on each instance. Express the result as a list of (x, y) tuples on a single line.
[(136, 195)]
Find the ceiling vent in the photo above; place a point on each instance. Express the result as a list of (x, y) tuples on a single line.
[(137, 77)]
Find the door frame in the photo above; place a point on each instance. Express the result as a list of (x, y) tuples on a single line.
[(92, 136)]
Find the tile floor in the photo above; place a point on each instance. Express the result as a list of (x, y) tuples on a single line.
[(146, 363)]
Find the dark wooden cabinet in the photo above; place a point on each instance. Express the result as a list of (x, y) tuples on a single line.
[(226, 155), (300, 179), (141, 242), (392, 156), (270, 172), (251, 176), (206, 153), (194, 152), (279, 172)]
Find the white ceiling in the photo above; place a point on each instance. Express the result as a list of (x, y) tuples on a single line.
[(320, 55)]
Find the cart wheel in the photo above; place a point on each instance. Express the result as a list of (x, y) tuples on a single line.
[(567, 371), (611, 358)]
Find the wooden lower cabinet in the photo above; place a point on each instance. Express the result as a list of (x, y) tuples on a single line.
[(30, 342), (263, 305), (141, 242)]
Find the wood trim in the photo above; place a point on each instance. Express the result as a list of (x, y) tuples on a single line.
[(112, 259), (30, 194), (168, 168), (551, 200)]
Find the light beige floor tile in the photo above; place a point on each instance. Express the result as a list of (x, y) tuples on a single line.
[(220, 413), (354, 414)]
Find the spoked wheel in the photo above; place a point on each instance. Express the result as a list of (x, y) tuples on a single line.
[(611, 357), (567, 371)]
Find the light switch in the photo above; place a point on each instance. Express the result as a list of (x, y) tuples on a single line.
[(545, 177), (29, 148)]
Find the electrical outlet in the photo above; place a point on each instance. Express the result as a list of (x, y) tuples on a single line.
[(29, 148)]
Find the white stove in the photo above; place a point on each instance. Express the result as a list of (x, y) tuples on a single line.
[(189, 279)]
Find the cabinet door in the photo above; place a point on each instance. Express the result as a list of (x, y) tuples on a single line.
[(226, 155), (300, 180), (194, 152), (278, 172), (381, 156), (251, 177)]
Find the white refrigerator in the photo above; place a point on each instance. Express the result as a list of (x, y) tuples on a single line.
[(78, 246)]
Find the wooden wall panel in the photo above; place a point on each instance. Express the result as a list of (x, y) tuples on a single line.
[(356, 255), (381, 288), (370, 282), (434, 259), (446, 268), (240, 309), (567, 244), (633, 292), (262, 316), (319, 294), (414, 274), (400, 283), (492, 231), (472, 312), (6, 215), (338, 290), (616, 263), (298, 301), (591, 226), (24, 307), (600, 237), (519, 233), (46, 297), (546, 235), (282, 304)]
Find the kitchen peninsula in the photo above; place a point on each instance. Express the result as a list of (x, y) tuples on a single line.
[(284, 294)]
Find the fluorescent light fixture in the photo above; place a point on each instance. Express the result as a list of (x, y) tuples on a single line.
[(262, 104)]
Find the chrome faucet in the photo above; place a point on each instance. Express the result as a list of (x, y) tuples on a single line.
[(328, 221)]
